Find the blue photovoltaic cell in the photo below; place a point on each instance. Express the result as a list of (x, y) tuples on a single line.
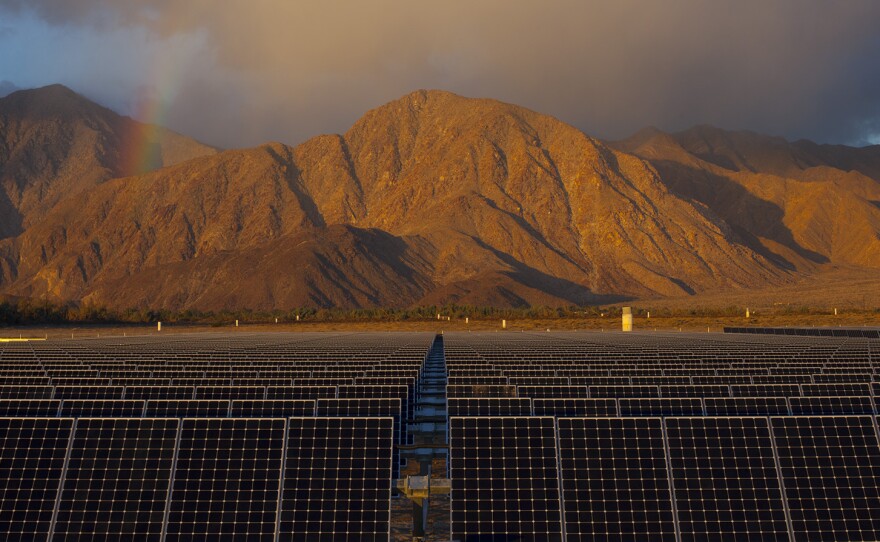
[(615, 484), (505, 483), (32, 452), (227, 479), (117, 479), (337, 478), (725, 479), (831, 474)]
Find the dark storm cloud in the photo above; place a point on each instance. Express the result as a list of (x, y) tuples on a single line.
[(262, 70)]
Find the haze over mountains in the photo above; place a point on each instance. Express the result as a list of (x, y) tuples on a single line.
[(432, 198)]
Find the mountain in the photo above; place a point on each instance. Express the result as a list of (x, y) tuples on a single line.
[(802, 205), (432, 198), (55, 144)]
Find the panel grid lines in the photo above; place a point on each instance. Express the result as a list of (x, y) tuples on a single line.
[(226, 479), (614, 479), (117, 478), (336, 479), (724, 478), (831, 474), (32, 459), (505, 482)]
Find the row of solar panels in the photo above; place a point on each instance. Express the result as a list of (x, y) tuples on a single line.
[(690, 478), (866, 333), (198, 408), (469, 380), (627, 370), (200, 381), (645, 380), (532, 478), (478, 406), (385, 386), (708, 390), (680, 406), (675, 361), (204, 392), (234, 479)]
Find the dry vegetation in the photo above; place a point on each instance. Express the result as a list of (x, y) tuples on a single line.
[(679, 322)]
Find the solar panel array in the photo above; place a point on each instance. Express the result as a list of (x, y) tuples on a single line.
[(206, 438), (669, 437), (552, 436)]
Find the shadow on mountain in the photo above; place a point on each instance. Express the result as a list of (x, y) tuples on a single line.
[(571, 292), (10, 218), (748, 216)]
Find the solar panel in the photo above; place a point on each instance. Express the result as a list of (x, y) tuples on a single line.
[(32, 452), (159, 392), (477, 380), (103, 408), (725, 380), (697, 390), (89, 392), (746, 406), (574, 406), (18, 408), (230, 392), (538, 381), (624, 391), (552, 391), (835, 404), (765, 390), (227, 479), (272, 408), (26, 392), (366, 407), (337, 479), (127, 382), (186, 408), (504, 479), (489, 406), (782, 379), (117, 479), (26, 380), (399, 391), (667, 406), (194, 382), (725, 479), (842, 377), (839, 388), (831, 474), (599, 381), (300, 392), (481, 391), (615, 483)]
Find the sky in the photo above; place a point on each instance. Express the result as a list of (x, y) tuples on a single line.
[(235, 73)]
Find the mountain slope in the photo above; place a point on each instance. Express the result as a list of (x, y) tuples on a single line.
[(435, 198), (792, 202), (55, 144)]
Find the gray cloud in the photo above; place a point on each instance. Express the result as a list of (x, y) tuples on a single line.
[(260, 70), (7, 88)]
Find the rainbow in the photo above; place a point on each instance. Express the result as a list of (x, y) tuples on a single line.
[(141, 151)]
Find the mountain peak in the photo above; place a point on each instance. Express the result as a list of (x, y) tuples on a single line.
[(53, 101)]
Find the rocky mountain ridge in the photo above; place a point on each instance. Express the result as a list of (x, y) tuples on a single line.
[(432, 198)]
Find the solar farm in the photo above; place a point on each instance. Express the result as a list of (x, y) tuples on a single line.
[(461, 437)]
